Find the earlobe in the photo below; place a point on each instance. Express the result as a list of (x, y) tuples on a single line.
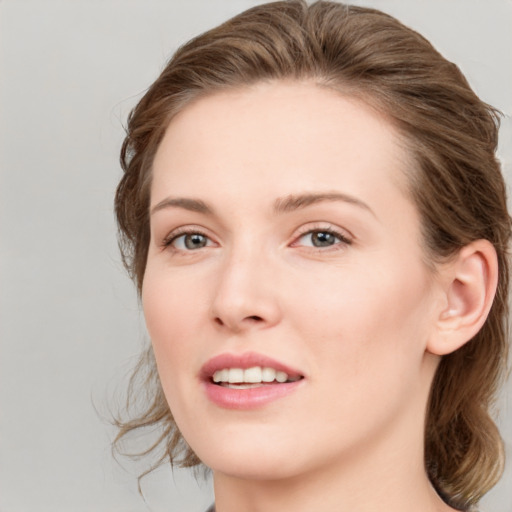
[(470, 285)]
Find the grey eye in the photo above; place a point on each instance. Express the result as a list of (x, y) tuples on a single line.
[(195, 241), (319, 239), (323, 238), (190, 241)]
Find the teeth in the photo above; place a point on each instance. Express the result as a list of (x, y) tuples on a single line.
[(221, 376), (254, 375), (268, 374), (281, 377), (235, 375)]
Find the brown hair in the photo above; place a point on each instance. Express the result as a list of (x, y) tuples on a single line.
[(456, 185)]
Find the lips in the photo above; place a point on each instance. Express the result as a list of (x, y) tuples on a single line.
[(244, 361), (248, 380)]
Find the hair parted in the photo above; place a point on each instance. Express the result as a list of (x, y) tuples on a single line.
[(455, 182)]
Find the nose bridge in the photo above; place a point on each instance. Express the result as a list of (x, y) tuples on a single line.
[(244, 294)]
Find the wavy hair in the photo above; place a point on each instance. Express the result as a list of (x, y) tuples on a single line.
[(456, 184)]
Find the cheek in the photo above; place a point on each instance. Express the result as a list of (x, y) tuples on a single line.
[(356, 297), (367, 337), (360, 321), (171, 313)]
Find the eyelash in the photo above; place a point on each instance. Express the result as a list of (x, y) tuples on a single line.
[(180, 232), (343, 240)]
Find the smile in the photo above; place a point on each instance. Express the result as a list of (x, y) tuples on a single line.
[(247, 381), (256, 376)]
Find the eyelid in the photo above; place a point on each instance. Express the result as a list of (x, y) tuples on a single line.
[(168, 240), (324, 226), (346, 238)]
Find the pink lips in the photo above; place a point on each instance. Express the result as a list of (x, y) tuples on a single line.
[(246, 398)]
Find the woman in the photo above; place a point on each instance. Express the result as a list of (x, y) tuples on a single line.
[(316, 222)]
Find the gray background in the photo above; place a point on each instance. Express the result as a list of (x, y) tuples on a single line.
[(70, 327)]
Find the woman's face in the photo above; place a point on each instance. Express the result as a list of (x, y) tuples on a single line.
[(282, 243)]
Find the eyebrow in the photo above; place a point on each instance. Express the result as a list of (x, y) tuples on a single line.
[(296, 202), (193, 205), (281, 205)]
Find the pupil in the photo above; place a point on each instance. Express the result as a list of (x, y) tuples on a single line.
[(323, 239), (195, 241)]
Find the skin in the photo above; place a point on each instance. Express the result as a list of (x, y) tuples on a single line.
[(355, 317)]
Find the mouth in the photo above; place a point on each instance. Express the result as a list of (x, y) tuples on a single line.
[(249, 378), (248, 381)]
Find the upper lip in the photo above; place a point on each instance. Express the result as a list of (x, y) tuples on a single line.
[(244, 361)]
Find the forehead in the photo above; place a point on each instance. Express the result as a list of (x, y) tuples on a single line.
[(278, 138)]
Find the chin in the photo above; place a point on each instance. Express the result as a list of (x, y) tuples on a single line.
[(253, 469), (254, 461)]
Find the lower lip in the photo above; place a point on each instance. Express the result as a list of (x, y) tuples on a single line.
[(252, 398)]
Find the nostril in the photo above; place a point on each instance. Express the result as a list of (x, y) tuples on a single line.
[(238, 324)]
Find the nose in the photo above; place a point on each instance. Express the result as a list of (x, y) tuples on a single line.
[(245, 297)]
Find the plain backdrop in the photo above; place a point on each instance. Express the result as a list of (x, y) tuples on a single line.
[(70, 326)]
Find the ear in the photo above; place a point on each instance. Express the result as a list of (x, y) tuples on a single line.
[(469, 285)]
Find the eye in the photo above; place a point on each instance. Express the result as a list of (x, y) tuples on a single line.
[(188, 241), (319, 238)]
